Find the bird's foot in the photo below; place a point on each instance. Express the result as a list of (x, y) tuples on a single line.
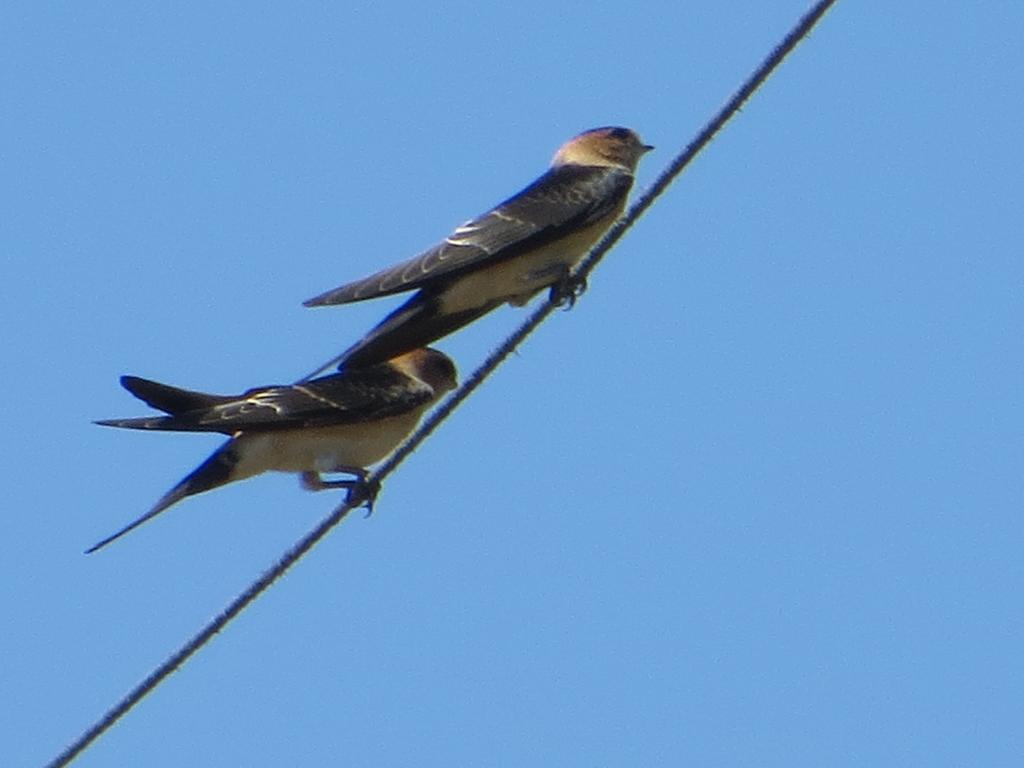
[(312, 481), (363, 493), (567, 289)]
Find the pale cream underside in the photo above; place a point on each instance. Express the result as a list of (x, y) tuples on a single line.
[(321, 449), (516, 280)]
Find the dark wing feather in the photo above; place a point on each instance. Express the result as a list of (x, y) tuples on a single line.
[(562, 201), (362, 394), (166, 398), (414, 324), (354, 396)]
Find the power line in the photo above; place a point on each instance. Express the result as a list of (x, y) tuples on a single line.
[(293, 555), (639, 207)]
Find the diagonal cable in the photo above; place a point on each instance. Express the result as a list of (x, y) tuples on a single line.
[(293, 555), (639, 207)]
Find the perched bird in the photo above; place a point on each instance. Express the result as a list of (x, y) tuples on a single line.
[(339, 423), (509, 254)]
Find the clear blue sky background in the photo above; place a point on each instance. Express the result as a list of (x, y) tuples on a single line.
[(755, 501)]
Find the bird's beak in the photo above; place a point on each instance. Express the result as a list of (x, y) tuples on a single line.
[(647, 147)]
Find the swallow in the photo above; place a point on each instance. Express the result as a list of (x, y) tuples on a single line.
[(343, 422), (509, 254)]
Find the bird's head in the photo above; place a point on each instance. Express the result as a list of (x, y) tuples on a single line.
[(609, 146), (430, 366)]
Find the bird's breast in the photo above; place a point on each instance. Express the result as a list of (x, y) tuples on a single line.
[(321, 449), (518, 279)]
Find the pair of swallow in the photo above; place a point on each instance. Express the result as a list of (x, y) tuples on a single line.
[(346, 421)]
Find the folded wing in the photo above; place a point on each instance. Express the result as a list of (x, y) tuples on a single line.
[(562, 201), (366, 394)]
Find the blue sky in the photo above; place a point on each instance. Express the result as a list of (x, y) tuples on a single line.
[(755, 500)]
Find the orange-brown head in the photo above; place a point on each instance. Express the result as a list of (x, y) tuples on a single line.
[(610, 146), (430, 366)]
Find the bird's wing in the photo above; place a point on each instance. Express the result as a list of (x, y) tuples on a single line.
[(358, 395), (565, 199), (166, 398), (354, 396)]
